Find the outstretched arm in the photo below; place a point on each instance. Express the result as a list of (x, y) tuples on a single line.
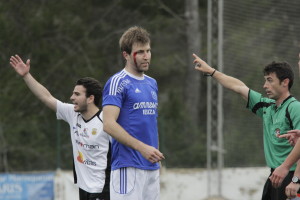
[(110, 125), (36, 88), (229, 82), (292, 136)]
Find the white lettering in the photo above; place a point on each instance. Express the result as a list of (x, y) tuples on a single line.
[(142, 105), (122, 85), (148, 112), (10, 188), (2, 179)]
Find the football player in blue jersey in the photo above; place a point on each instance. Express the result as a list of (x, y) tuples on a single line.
[(130, 101)]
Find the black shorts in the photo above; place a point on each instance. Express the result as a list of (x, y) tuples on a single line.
[(83, 195), (271, 193)]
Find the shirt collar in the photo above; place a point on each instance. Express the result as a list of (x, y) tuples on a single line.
[(289, 97)]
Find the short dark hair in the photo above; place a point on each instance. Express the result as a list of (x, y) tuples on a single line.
[(93, 87), (133, 35), (282, 70)]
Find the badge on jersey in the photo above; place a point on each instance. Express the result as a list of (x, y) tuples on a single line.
[(277, 132), (154, 96), (94, 131)]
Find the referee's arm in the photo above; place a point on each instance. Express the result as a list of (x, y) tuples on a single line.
[(228, 82)]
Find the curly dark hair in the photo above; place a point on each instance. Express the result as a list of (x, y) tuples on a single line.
[(282, 70), (93, 87)]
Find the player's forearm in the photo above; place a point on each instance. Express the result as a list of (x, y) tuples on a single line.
[(293, 157), (232, 83), (40, 91), (228, 81), (297, 170), (121, 135)]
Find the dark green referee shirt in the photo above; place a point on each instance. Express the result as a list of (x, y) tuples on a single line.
[(275, 122)]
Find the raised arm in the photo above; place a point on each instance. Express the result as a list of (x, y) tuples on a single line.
[(110, 125), (36, 88), (229, 82)]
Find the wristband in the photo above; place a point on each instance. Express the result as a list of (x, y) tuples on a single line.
[(213, 73), (210, 74)]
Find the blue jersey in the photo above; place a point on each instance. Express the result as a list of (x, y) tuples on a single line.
[(137, 99)]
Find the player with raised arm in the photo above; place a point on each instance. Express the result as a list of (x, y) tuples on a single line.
[(280, 172), (91, 145), (273, 110)]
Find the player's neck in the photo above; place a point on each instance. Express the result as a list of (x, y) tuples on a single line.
[(282, 98), (90, 112), (132, 70)]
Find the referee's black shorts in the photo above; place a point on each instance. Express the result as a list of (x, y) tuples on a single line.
[(271, 193)]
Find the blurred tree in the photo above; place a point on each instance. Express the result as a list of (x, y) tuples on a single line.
[(66, 40), (192, 80)]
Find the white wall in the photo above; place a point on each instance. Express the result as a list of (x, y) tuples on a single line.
[(192, 184), (188, 184)]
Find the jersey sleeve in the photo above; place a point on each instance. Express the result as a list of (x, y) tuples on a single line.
[(294, 110), (64, 111), (113, 92), (256, 102)]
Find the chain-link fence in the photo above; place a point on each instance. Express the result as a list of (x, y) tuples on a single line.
[(255, 34)]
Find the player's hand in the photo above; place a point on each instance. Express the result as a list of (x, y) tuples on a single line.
[(202, 65), (291, 190), (152, 154), (292, 136), (278, 175), (19, 66)]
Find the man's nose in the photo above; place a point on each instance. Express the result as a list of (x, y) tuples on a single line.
[(265, 85), (146, 55)]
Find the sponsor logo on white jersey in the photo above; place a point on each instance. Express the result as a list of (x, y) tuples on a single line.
[(81, 159), (87, 146)]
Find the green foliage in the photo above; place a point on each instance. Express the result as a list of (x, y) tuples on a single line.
[(178, 135), (66, 40)]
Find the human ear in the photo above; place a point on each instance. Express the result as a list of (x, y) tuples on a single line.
[(91, 99), (286, 82), (125, 55)]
